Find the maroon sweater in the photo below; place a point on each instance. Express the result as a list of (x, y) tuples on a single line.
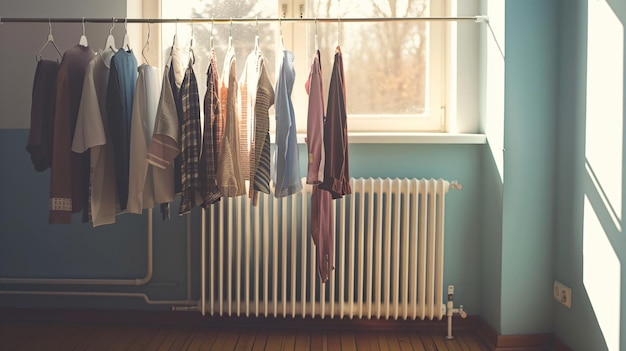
[(336, 170), (69, 179), (39, 144)]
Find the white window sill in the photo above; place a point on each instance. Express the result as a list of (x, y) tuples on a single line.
[(409, 138)]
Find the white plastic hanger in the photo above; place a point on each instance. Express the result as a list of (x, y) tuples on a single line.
[(338, 29), (49, 41), (230, 34), (174, 41), (192, 56), (256, 38), (126, 42), (211, 40), (280, 27), (146, 45), (83, 38), (317, 46), (110, 43)]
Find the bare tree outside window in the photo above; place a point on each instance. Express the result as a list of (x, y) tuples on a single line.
[(394, 70), (386, 63)]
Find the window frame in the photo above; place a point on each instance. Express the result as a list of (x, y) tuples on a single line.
[(446, 113)]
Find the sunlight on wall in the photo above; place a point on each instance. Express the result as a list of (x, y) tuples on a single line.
[(601, 277), (495, 83), (605, 92), (603, 151)]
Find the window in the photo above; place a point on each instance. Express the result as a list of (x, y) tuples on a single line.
[(395, 71)]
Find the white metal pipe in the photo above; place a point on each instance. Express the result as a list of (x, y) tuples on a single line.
[(342, 256), (220, 278), (229, 255), (188, 216), (387, 258), (405, 246), (212, 262), (203, 263), (361, 250), (266, 252), (90, 281), (414, 244), (294, 224), (284, 234), (144, 296), (421, 287), (247, 243), (370, 253), (238, 244), (257, 261), (350, 244), (395, 278), (379, 248), (333, 272), (305, 239), (430, 256)]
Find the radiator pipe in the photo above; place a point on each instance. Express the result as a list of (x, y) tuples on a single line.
[(96, 281), (451, 311), (187, 305)]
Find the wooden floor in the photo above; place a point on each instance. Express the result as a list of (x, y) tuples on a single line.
[(63, 337)]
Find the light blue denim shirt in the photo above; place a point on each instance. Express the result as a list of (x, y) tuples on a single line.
[(287, 165)]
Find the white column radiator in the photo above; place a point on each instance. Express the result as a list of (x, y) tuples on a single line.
[(389, 245)]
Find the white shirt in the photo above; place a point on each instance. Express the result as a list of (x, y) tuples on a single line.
[(91, 133), (145, 103)]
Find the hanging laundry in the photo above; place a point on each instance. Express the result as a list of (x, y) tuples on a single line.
[(177, 74), (191, 135), (247, 91), (93, 134), (229, 176), (336, 171), (315, 123), (69, 178), (248, 88), (145, 104), (322, 219), (213, 130), (163, 147), (120, 95), (39, 144), (260, 168), (323, 231), (286, 160)]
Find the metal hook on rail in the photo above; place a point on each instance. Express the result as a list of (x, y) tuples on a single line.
[(112, 26), (212, 27)]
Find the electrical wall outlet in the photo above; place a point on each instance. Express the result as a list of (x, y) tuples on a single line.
[(563, 294)]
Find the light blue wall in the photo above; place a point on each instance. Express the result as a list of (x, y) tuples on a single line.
[(491, 125), (530, 120)]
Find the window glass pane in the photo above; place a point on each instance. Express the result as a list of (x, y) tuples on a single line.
[(386, 64)]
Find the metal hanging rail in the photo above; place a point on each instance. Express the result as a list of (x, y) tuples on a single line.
[(477, 18)]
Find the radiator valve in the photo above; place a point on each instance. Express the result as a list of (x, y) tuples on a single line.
[(451, 311)]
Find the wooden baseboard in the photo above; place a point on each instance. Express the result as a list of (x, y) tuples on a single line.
[(496, 342)]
